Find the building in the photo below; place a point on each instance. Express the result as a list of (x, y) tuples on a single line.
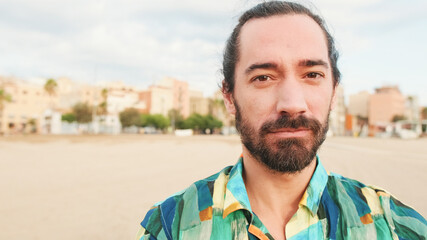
[(120, 97), (218, 110), (159, 100), (358, 104), (31, 108), (167, 94), (116, 97), (384, 104), (358, 114), (412, 109), (198, 103), (70, 93), (337, 115), (180, 93)]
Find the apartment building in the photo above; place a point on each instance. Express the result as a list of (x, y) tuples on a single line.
[(198, 103), (120, 97), (384, 104), (358, 104), (70, 92), (337, 115), (31, 108), (165, 95)]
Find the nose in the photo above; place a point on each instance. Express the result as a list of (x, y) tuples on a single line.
[(291, 97)]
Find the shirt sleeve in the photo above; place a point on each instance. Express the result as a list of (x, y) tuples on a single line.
[(144, 235), (403, 221), (157, 224)]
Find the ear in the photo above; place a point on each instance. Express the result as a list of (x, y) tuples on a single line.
[(229, 103)]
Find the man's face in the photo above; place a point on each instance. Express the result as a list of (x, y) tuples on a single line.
[(283, 90)]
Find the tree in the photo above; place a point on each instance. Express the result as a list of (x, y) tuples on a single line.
[(130, 117), (424, 113), (201, 123), (102, 107), (212, 123), (158, 121), (68, 117), (397, 118), (217, 107), (82, 112), (176, 119), (194, 121), (33, 124), (50, 86), (4, 97), (144, 120)]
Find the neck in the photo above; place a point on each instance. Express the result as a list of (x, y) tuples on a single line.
[(272, 193)]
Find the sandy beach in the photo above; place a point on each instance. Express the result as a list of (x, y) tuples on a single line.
[(100, 187)]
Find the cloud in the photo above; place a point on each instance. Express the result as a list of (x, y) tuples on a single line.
[(142, 41), (137, 37)]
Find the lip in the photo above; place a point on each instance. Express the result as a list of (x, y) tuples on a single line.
[(290, 132)]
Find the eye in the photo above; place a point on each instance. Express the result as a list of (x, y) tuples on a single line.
[(261, 78), (314, 75)]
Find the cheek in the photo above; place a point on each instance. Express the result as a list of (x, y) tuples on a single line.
[(319, 103), (255, 109)]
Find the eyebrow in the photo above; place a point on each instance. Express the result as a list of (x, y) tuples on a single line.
[(274, 66), (255, 66), (312, 63)]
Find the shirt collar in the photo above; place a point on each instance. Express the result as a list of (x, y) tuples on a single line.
[(236, 197), (313, 193)]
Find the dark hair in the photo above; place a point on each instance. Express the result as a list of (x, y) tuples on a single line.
[(264, 10)]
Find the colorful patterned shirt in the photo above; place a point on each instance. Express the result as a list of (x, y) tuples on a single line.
[(332, 207)]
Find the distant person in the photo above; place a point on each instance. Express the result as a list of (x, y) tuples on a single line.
[(280, 75)]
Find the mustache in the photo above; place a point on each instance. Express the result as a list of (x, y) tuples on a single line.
[(286, 121)]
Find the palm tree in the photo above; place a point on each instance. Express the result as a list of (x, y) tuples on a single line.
[(217, 108), (424, 113), (4, 97), (50, 86), (33, 125), (102, 107)]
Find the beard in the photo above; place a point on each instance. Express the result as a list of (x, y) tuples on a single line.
[(287, 155)]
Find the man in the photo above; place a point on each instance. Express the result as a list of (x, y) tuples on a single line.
[(280, 74)]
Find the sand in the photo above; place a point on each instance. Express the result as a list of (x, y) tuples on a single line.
[(100, 187)]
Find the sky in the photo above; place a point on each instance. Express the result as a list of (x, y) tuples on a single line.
[(381, 42)]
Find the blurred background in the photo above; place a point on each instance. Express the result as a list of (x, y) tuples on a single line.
[(105, 104)]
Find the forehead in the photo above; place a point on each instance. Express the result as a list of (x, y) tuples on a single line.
[(284, 36)]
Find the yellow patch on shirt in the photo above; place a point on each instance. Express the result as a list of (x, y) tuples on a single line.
[(303, 200), (373, 200), (367, 219), (301, 220), (233, 207), (206, 214), (257, 232), (219, 190)]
